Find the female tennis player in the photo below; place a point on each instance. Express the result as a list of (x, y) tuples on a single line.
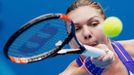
[(88, 17)]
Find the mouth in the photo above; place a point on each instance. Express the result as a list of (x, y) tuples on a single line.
[(93, 44)]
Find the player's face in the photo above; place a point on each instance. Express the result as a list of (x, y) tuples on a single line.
[(88, 22)]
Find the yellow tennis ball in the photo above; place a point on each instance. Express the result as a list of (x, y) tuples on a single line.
[(112, 26)]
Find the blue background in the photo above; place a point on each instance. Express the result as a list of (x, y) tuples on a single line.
[(14, 13)]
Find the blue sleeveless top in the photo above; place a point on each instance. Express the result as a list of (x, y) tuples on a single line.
[(121, 52), (124, 57)]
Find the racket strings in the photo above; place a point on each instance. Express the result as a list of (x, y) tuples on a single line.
[(14, 49), (38, 39)]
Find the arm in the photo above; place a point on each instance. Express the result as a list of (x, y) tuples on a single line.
[(129, 46), (102, 61)]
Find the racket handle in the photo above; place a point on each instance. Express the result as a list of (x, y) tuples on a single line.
[(92, 51)]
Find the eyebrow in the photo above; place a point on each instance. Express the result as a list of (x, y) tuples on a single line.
[(90, 19), (76, 24)]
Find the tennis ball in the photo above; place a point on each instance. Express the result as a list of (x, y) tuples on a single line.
[(112, 27)]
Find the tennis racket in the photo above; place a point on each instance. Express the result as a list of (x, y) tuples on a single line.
[(44, 37)]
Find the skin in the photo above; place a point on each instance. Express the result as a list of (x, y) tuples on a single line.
[(88, 23)]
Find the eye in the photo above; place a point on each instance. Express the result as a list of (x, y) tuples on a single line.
[(77, 28), (94, 23)]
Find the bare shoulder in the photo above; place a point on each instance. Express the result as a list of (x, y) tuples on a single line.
[(128, 45)]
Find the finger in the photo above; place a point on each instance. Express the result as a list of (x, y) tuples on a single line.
[(109, 57), (105, 60)]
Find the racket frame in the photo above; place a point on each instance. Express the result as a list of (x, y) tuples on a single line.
[(51, 53)]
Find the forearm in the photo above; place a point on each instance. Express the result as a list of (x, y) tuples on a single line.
[(81, 71), (69, 71)]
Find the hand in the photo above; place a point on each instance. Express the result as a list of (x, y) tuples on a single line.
[(104, 60)]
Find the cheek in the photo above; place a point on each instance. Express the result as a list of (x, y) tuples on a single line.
[(98, 33), (73, 44), (79, 36)]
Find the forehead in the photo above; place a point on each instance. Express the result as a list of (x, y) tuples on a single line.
[(83, 13)]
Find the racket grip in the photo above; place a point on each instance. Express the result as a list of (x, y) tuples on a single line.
[(92, 51)]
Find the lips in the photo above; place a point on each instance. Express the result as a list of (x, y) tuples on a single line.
[(91, 43)]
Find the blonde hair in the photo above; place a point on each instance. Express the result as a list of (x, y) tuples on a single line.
[(91, 3)]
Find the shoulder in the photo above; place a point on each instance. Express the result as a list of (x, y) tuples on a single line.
[(128, 45)]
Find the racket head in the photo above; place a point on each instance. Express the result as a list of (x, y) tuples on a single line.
[(75, 43), (37, 39)]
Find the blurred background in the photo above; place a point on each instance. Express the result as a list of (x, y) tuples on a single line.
[(15, 13)]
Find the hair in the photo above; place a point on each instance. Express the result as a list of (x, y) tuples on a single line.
[(91, 3)]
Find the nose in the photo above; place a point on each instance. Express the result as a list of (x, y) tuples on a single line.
[(87, 34)]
